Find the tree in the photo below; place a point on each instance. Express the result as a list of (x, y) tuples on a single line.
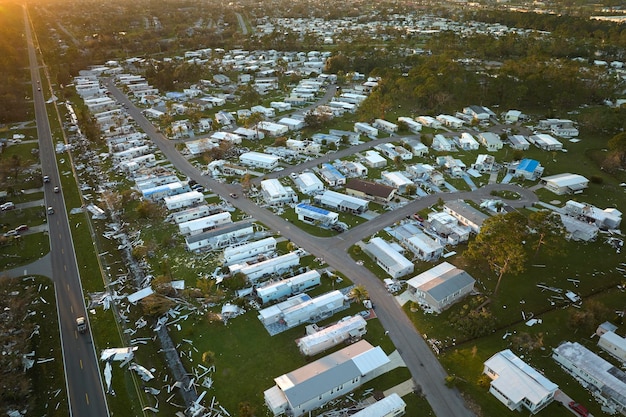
[(411, 189), (246, 182), (617, 148), (208, 358), (546, 229), (499, 245), (280, 141), (359, 293)]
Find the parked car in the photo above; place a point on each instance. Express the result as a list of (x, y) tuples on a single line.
[(7, 206), (50, 210), (22, 228), (10, 233), (578, 408)]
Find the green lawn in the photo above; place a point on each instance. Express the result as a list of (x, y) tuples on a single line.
[(243, 370)]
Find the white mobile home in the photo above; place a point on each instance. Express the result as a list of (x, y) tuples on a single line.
[(366, 129), (221, 237), (272, 266), (440, 286), (165, 190), (429, 121), (259, 160), (491, 141), (308, 183), (546, 142), (331, 175), (341, 202), (131, 153), (518, 385), (191, 214), (247, 251), (441, 143), (605, 381), (423, 246), (318, 340), (565, 183), (374, 160), (302, 309), (385, 125), (411, 124), (183, 200), (609, 218), (275, 193), (397, 180), (518, 142), (315, 215), (136, 164), (308, 388), (197, 226), (250, 134), (613, 344), (274, 291), (450, 121), (389, 259), (467, 142), (292, 124), (465, 214), (265, 111), (272, 129)]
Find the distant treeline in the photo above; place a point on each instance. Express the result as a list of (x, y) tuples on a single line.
[(13, 65)]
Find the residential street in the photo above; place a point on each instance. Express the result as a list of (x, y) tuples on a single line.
[(423, 364)]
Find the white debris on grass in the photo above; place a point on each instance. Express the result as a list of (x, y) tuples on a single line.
[(108, 375), (118, 354), (143, 373)]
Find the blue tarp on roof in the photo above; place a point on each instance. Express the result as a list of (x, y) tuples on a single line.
[(528, 165)]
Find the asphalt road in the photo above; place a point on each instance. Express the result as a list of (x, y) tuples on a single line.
[(82, 375), (423, 364)]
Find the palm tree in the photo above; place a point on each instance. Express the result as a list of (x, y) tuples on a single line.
[(358, 293)]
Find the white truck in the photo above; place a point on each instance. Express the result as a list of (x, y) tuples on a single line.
[(81, 324)]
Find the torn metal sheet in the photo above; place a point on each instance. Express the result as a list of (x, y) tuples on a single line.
[(108, 375), (117, 354), (143, 373), (141, 294), (178, 285)]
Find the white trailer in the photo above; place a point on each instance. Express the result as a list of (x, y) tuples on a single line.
[(179, 201), (319, 340)]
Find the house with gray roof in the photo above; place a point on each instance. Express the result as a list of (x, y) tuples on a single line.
[(315, 384), (465, 214), (440, 286)]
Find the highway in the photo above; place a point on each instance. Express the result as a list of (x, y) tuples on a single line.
[(424, 366), (82, 376)]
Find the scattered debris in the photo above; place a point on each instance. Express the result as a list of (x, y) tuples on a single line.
[(572, 296), (532, 322), (141, 294), (143, 373), (118, 354)]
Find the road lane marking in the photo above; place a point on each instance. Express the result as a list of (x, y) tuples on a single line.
[(87, 398), (81, 363), (68, 286), (71, 307), (63, 250), (65, 268)]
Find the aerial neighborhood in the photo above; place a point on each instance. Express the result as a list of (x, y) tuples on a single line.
[(321, 216)]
